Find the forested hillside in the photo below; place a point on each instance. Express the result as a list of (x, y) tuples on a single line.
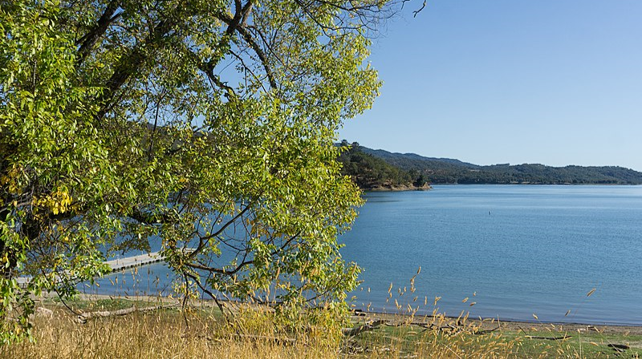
[(444, 170), (373, 173)]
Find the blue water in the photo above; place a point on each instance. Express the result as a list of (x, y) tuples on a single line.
[(513, 250)]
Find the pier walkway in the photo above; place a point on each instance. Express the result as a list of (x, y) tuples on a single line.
[(134, 261), (119, 264)]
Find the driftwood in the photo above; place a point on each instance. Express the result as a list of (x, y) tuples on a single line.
[(84, 317), (620, 348), (351, 332), (250, 337), (428, 326), (418, 324), (485, 331), (276, 340), (449, 328), (549, 338)]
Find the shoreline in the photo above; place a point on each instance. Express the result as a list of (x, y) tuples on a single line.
[(402, 188), (526, 184), (358, 315), (512, 325)]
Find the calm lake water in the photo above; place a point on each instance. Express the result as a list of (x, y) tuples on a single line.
[(513, 250)]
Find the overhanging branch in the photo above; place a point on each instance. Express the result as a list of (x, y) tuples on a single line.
[(88, 41)]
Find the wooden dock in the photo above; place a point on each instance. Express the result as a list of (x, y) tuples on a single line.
[(134, 261), (119, 264)]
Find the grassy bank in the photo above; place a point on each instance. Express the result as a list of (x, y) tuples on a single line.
[(464, 338), (202, 332)]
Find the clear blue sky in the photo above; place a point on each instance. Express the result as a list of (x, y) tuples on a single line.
[(556, 82)]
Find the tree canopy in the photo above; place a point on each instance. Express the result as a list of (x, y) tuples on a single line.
[(206, 124)]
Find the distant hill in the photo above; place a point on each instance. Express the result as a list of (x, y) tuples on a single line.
[(372, 173), (415, 161), (446, 170)]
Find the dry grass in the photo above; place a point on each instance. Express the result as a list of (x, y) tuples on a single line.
[(253, 334), (163, 334), (435, 336), (256, 333)]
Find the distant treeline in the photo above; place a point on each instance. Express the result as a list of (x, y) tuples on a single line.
[(369, 166), (370, 172)]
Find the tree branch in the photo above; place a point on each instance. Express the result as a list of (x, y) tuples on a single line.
[(208, 69), (129, 65), (416, 12), (203, 239), (208, 292), (234, 24), (88, 41)]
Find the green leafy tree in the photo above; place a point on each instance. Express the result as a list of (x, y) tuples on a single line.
[(207, 124)]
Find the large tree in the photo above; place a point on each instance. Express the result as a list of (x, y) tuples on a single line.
[(206, 123)]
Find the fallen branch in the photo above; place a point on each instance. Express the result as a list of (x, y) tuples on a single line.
[(351, 332), (84, 317), (548, 338), (485, 331), (620, 348), (276, 340)]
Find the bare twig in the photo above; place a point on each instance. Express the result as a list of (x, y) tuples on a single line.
[(416, 12)]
